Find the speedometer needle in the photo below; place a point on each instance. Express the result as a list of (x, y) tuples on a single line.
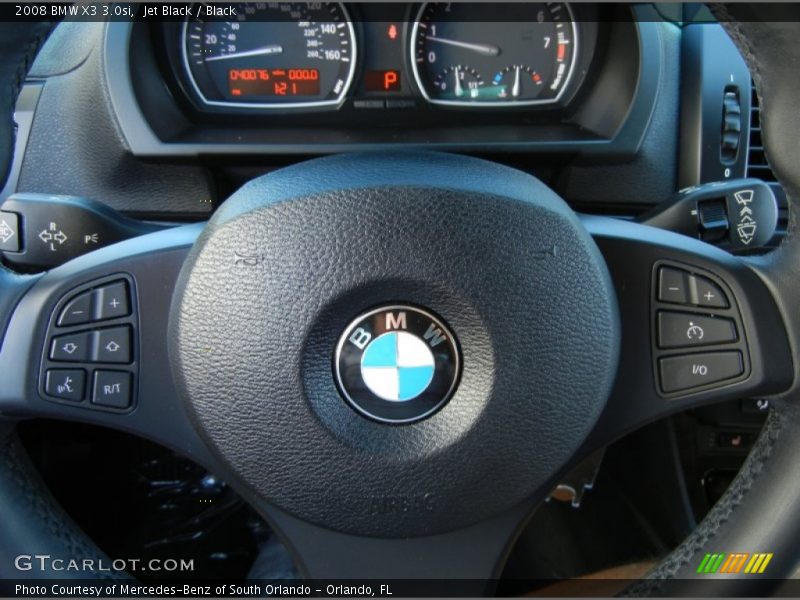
[(263, 51), (485, 49)]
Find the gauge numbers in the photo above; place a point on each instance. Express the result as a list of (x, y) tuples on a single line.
[(524, 55), (273, 55)]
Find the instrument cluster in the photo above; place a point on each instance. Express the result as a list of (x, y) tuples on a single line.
[(287, 56)]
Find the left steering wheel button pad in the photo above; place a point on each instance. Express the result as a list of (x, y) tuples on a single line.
[(77, 339)]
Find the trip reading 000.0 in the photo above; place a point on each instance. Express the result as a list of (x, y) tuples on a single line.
[(273, 82)]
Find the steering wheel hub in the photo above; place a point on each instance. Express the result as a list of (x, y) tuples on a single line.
[(397, 364), (274, 320)]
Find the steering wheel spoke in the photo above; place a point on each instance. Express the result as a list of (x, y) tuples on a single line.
[(558, 349), (699, 326), (478, 550), (87, 342)]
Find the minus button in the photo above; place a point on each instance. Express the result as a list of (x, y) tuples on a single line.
[(673, 286), (77, 311)]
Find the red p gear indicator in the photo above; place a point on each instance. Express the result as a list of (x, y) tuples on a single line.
[(390, 80), (382, 80)]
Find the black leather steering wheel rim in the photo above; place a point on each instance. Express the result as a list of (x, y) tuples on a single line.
[(39, 524), (746, 517), (760, 511)]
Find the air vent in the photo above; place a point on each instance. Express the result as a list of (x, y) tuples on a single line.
[(758, 167), (756, 161)]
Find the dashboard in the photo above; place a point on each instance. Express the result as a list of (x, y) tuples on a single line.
[(284, 56), (611, 106), (112, 110), (326, 77)]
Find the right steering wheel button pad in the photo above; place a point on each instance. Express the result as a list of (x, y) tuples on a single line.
[(698, 339), (91, 338)]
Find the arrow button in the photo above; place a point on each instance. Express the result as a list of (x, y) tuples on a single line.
[(112, 345), (70, 348)]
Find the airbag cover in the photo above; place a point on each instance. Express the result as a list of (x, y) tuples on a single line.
[(294, 256)]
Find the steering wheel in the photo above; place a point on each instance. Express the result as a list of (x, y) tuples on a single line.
[(250, 338)]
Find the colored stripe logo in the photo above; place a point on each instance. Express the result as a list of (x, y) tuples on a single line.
[(734, 563)]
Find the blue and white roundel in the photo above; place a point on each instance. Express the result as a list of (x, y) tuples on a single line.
[(397, 366)]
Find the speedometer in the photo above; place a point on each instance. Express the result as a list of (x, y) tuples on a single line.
[(271, 55), (519, 54)]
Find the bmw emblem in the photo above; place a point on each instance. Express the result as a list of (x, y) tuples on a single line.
[(397, 364)]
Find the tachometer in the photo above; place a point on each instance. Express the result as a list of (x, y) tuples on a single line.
[(271, 55), (520, 54)]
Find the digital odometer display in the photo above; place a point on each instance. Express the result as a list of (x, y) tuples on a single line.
[(273, 82), (273, 55)]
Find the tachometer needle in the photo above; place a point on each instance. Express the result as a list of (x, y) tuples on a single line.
[(485, 49), (263, 51)]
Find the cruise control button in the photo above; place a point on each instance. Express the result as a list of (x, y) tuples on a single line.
[(111, 301), (77, 311), (112, 388), (694, 370), (71, 348), (67, 384), (112, 345), (676, 330), (673, 286), (707, 293)]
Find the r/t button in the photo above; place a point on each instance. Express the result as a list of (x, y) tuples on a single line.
[(112, 389)]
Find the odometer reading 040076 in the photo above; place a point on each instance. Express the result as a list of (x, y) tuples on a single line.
[(272, 55), (511, 54)]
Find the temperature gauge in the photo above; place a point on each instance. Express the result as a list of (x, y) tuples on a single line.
[(517, 81)]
